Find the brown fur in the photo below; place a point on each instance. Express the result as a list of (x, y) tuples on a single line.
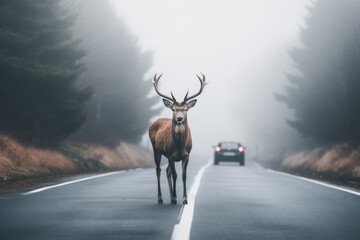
[(172, 138), (175, 146)]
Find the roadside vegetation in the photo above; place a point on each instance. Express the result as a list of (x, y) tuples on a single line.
[(18, 162), (325, 94), (73, 97)]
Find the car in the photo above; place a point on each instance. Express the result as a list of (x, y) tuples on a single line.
[(230, 152)]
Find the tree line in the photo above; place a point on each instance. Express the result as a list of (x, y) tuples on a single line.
[(71, 69), (325, 95)]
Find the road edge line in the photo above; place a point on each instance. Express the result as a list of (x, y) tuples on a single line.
[(182, 230), (316, 182), (69, 182)]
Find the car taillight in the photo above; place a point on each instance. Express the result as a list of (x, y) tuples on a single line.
[(217, 149), (241, 149)]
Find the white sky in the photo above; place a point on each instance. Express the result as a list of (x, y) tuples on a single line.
[(240, 45)]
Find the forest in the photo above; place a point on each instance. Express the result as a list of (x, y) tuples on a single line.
[(68, 72), (325, 94), (74, 77), (72, 89)]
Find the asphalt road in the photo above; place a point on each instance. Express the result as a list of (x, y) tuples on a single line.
[(252, 203), (233, 202)]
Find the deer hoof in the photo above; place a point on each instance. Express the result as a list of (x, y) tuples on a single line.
[(160, 201), (173, 201), (185, 202)]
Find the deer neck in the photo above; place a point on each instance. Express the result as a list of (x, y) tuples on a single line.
[(179, 133)]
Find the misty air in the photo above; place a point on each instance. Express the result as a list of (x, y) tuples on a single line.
[(179, 119)]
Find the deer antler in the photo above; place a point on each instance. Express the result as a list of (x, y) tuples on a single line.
[(202, 82), (155, 82)]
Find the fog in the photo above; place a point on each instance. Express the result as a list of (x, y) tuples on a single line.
[(242, 48)]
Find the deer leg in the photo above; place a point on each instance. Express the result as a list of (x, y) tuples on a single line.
[(174, 176), (184, 166), (168, 173), (157, 157)]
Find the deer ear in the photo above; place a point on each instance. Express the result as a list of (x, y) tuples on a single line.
[(167, 103), (191, 103)]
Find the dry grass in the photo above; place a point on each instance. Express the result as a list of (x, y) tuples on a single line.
[(19, 162), (342, 160), (124, 156)]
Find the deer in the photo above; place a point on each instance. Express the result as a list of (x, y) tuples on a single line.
[(172, 138)]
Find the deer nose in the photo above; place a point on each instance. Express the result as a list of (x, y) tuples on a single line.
[(179, 119)]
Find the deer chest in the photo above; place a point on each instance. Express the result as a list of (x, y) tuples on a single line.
[(179, 129)]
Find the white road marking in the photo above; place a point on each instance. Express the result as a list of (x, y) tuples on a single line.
[(182, 230), (180, 213), (317, 182), (70, 182)]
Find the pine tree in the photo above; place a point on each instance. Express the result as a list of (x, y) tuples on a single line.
[(120, 108), (325, 95), (39, 65)]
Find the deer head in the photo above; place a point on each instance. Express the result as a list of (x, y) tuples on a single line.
[(179, 108)]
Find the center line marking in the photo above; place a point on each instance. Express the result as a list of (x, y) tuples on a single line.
[(182, 230), (70, 182)]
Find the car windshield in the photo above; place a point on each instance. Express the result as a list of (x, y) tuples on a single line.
[(229, 145)]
